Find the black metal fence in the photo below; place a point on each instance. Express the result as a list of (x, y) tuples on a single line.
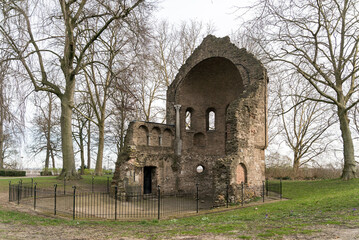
[(106, 205)]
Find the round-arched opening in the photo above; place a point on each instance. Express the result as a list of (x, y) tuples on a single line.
[(214, 81)]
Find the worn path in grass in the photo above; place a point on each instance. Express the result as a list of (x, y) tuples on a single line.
[(318, 210)]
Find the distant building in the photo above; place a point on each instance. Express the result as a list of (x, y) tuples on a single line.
[(216, 122)]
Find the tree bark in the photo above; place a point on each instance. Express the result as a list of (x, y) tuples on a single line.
[(1, 139), (68, 170), (53, 158), (82, 150), (2, 115), (349, 170), (89, 145), (48, 137), (99, 160), (296, 164)]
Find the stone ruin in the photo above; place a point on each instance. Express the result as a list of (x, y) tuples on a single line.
[(216, 121)]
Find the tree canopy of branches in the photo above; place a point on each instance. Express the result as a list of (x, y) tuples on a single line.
[(51, 36), (317, 40)]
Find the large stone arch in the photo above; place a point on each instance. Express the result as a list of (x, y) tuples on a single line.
[(248, 66)]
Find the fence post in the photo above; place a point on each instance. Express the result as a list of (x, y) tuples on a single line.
[(197, 197), (108, 184), (93, 181), (116, 202), (159, 201), (74, 203), (9, 191), (18, 194), (227, 195), (55, 186), (263, 190), (20, 188), (35, 196), (280, 188), (32, 185), (267, 186), (242, 193)]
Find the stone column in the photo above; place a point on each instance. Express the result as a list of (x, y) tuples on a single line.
[(178, 141)]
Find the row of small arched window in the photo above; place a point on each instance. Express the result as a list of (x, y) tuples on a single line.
[(210, 119)]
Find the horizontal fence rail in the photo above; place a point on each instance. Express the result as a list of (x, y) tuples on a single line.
[(70, 201)]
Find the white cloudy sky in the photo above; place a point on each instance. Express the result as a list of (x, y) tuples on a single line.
[(222, 13)]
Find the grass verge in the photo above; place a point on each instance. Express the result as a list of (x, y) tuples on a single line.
[(311, 204)]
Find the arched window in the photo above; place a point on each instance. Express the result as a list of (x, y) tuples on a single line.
[(188, 119), (155, 139), (241, 174), (211, 119), (143, 136)]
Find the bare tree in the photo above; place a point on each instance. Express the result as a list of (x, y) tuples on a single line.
[(46, 128), (305, 123), (80, 132), (317, 40), (61, 37), (125, 107), (12, 110)]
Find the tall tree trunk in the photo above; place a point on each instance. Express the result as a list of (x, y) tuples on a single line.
[(349, 170), (1, 140), (48, 137), (82, 152), (2, 115), (89, 145), (47, 161), (122, 130), (101, 142), (296, 164), (52, 158), (68, 169)]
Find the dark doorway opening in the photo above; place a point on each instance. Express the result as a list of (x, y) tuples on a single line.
[(148, 179)]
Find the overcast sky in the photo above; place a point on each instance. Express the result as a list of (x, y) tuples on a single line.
[(222, 13)]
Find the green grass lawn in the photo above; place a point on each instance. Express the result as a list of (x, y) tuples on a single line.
[(312, 203)]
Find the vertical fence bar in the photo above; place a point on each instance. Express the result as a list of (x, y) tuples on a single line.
[(159, 201), (74, 203), (35, 196), (197, 197), (10, 191), (32, 185), (93, 181), (64, 185), (242, 193), (18, 193), (263, 190), (227, 195), (108, 184), (267, 187), (55, 187), (280, 188)]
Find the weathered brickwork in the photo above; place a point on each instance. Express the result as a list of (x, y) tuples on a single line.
[(216, 118)]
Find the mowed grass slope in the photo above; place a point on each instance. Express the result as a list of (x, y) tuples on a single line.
[(310, 205)]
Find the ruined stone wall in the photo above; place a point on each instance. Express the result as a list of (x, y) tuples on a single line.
[(220, 79), (147, 145)]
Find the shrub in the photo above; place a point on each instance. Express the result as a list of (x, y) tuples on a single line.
[(12, 173), (92, 171), (304, 173), (49, 173)]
